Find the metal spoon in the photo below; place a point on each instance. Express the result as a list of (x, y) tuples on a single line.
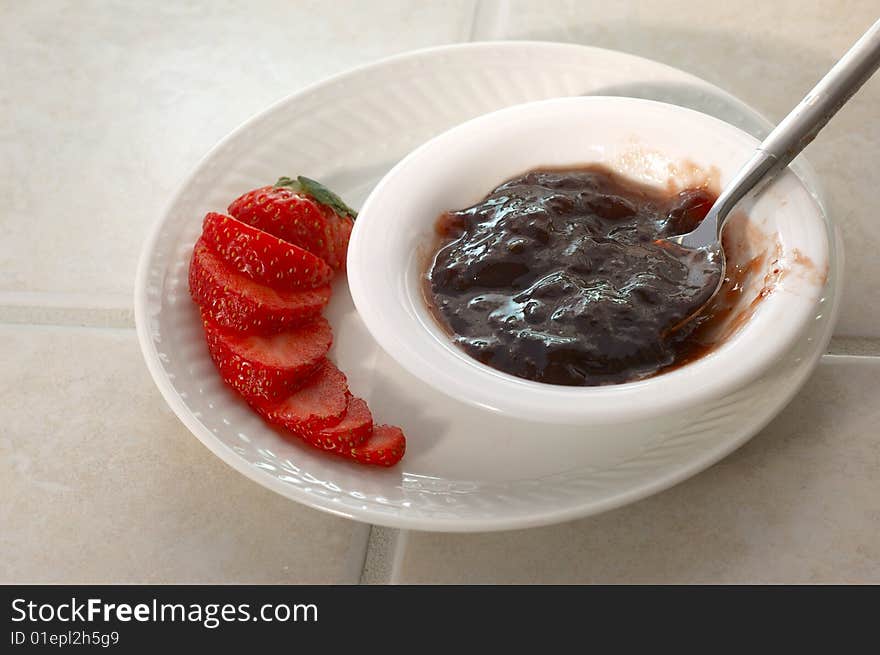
[(785, 142)]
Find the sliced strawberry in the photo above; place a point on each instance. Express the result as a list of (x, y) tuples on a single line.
[(318, 405), (342, 236), (263, 257), (302, 212), (268, 367), (385, 447), (261, 279), (236, 302), (351, 431)]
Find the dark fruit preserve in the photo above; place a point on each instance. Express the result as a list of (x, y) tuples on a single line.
[(558, 276)]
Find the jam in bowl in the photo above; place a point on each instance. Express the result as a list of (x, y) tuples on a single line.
[(564, 276)]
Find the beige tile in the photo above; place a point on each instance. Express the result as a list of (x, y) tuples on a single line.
[(106, 106), (767, 53), (101, 483), (799, 503)]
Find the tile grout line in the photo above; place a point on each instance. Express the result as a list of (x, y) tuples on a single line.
[(488, 20), (66, 309), (63, 298), (358, 551), (380, 557), (858, 346), (63, 317)]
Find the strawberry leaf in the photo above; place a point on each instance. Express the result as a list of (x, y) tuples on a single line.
[(317, 191)]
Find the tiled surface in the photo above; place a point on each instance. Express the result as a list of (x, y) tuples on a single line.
[(107, 105), (102, 483), (767, 53), (799, 503)]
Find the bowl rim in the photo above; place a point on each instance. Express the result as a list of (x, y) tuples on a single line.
[(465, 379)]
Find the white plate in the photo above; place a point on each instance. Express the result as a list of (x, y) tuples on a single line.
[(348, 131)]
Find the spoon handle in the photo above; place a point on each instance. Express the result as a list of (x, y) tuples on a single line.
[(805, 121)]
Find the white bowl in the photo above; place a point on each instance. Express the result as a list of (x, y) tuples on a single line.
[(648, 141)]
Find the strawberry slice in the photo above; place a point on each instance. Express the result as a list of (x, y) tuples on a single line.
[(341, 237), (318, 405), (263, 257), (302, 212), (385, 447), (234, 301), (268, 367), (351, 431)]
